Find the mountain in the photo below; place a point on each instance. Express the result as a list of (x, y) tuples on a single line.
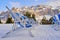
[(38, 10)]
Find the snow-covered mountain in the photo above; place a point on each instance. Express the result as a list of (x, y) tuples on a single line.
[(38, 10)]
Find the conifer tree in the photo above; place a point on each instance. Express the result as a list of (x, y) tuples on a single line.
[(33, 16), (9, 20), (0, 22)]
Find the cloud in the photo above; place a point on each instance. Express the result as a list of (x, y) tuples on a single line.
[(53, 0), (54, 3), (15, 4)]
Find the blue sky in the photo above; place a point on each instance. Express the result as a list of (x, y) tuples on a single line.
[(20, 3)]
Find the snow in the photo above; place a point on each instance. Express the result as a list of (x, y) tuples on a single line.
[(4, 28), (40, 32)]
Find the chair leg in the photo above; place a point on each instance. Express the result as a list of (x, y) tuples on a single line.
[(30, 33), (56, 27), (14, 27)]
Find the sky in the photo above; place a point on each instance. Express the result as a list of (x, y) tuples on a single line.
[(21, 3)]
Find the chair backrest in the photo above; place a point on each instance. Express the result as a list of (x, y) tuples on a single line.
[(17, 17), (56, 18)]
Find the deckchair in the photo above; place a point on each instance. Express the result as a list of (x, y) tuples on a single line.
[(19, 24), (56, 20)]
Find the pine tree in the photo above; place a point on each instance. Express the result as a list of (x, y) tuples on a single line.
[(9, 20), (51, 20), (28, 14), (0, 22), (33, 16), (43, 21)]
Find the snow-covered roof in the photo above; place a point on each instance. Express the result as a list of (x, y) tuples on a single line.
[(41, 17)]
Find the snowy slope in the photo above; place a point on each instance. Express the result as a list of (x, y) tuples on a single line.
[(40, 32), (4, 28)]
